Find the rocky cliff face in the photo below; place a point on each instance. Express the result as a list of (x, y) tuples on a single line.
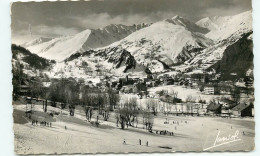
[(237, 59)]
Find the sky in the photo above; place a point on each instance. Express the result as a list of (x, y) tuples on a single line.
[(54, 19)]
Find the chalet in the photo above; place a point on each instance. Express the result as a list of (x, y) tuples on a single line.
[(141, 87), (202, 112), (81, 81), (127, 81), (243, 109), (144, 80), (155, 83), (24, 88), (127, 89), (130, 81), (165, 76), (166, 98), (149, 76), (225, 112), (201, 108), (148, 84), (123, 81), (154, 76), (213, 109), (209, 89), (169, 81), (135, 89), (113, 84), (227, 103), (170, 99)]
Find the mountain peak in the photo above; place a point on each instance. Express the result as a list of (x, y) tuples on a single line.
[(36, 41), (223, 26), (177, 17), (178, 20)]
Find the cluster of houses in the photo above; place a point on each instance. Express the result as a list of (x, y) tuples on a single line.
[(229, 108), (223, 108), (140, 85)]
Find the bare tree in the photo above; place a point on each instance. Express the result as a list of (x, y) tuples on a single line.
[(235, 93), (87, 102), (113, 99), (127, 115), (152, 105), (36, 88), (148, 120)]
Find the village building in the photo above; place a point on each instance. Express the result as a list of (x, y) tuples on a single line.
[(243, 110), (24, 89), (213, 109), (209, 90), (227, 103)]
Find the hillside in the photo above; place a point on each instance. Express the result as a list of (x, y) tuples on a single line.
[(237, 59), (32, 60), (171, 41), (224, 31)]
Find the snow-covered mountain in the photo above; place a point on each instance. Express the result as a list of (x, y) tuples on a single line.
[(62, 47), (180, 43), (193, 27), (173, 44), (36, 41), (226, 32), (223, 27), (167, 42)]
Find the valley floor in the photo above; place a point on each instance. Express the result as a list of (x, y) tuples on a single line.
[(191, 134)]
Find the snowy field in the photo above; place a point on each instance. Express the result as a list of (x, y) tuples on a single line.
[(190, 134)]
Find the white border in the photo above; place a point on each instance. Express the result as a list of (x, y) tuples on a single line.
[(6, 120)]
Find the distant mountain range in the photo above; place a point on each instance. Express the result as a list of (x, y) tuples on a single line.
[(175, 43), (62, 47)]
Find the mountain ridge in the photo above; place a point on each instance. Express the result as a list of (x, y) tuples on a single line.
[(62, 47), (171, 44)]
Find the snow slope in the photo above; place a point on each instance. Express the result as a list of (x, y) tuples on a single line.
[(171, 41), (223, 27), (224, 31), (62, 47), (36, 41), (213, 23), (81, 137)]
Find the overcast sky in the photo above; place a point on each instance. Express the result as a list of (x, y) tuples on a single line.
[(66, 18)]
